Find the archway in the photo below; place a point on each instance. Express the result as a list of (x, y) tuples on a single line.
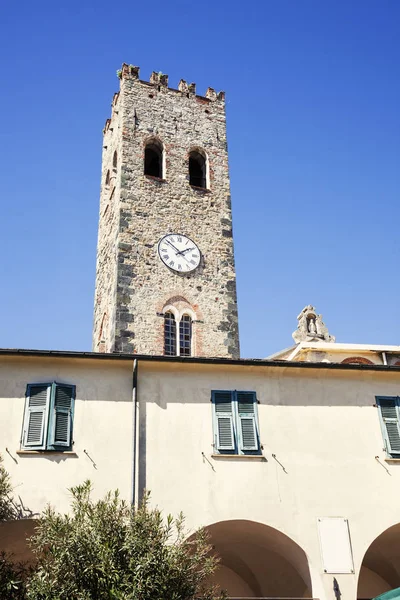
[(380, 568), (258, 561)]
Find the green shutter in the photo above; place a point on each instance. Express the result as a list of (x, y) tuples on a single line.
[(246, 402), (390, 421), (61, 418), (225, 439), (36, 412)]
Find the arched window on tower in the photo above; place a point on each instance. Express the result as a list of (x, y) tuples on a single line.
[(108, 179), (115, 160), (185, 336), (153, 159), (169, 334), (197, 169)]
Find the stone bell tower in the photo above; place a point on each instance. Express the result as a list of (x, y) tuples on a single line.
[(165, 278)]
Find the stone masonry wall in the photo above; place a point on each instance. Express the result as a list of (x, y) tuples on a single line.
[(133, 286), (107, 245)]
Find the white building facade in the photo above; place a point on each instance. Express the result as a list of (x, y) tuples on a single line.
[(292, 467)]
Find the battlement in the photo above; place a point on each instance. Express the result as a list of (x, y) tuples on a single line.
[(160, 81)]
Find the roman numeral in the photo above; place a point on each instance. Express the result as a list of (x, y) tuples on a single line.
[(171, 264)]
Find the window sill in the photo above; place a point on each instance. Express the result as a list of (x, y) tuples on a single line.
[(154, 178), (388, 459), (52, 452), (200, 189), (259, 457)]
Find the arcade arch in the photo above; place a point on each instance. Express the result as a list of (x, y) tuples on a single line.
[(380, 568), (258, 561)]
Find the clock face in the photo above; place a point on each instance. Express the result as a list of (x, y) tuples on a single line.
[(179, 253)]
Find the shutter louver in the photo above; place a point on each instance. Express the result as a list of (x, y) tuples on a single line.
[(224, 420), (389, 412), (35, 418), (247, 417), (62, 417)]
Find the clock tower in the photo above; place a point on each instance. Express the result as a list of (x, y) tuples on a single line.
[(165, 278)]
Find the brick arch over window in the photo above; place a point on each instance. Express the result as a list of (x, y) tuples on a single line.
[(181, 302), (179, 335), (358, 360)]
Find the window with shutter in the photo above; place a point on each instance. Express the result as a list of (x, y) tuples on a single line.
[(223, 409), (36, 416), (48, 416), (390, 423), (61, 418), (235, 422), (246, 402)]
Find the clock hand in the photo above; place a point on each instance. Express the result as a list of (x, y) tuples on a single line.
[(176, 249), (185, 250)]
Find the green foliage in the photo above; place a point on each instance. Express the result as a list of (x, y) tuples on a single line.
[(119, 73), (13, 578), (107, 550), (6, 505), (10, 508), (12, 575)]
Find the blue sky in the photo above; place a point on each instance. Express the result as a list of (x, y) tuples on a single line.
[(313, 96)]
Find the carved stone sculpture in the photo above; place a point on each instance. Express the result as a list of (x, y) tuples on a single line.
[(311, 328)]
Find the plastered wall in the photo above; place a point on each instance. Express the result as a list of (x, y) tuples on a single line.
[(102, 427), (323, 428)]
